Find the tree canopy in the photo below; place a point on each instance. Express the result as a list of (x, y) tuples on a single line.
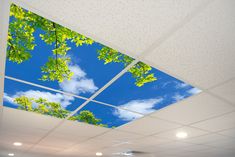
[(21, 43), (43, 106)]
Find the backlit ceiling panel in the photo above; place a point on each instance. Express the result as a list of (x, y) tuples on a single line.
[(52, 70)]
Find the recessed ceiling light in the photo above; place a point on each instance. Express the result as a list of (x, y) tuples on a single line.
[(17, 144), (181, 135), (11, 154), (98, 154)]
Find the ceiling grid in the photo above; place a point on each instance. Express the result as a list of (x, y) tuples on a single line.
[(224, 105)]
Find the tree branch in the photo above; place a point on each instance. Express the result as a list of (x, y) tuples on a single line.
[(56, 45)]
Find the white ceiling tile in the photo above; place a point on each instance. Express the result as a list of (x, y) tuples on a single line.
[(227, 91), (174, 145), (228, 143), (117, 22), (44, 150), (201, 52), (196, 147), (148, 126), (150, 141), (91, 145), (229, 132), (117, 150), (201, 153), (7, 147), (61, 140), (5, 151), (4, 16), (192, 132), (118, 137), (70, 133), (74, 128), (26, 135), (36, 155), (206, 139), (217, 124), (73, 152), (19, 118), (145, 144), (193, 109), (26, 127)]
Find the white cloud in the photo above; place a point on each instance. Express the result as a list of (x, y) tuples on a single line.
[(194, 91), (79, 83), (177, 97), (180, 85), (59, 98), (144, 106), (126, 115), (9, 99)]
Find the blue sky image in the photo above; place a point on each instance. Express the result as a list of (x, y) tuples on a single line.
[(90, 74)]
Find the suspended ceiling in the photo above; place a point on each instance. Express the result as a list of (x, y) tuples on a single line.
[(191, 40)]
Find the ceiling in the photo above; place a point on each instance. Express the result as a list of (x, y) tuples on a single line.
[(191, 40)]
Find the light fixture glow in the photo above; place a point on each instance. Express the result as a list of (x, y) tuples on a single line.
[(11, 154), (181, 135), (98, 154), (17, 144)]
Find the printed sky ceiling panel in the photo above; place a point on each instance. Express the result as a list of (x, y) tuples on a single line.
[(148, 98), (26, 97), (107, 116), (48, 54)]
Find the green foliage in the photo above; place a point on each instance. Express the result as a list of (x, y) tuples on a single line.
[(25, 103), (54, 109), (41, 106), (56, 69), (140, 71), (88, 117), (20, 36), (21, 42)]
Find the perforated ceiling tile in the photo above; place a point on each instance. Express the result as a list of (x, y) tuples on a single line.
[(174, 146), (228, 143), (18, 118), (7, 140), (194, 148), (194, 109), (71, 128), (5, 151), (42, 150), (118, 137), (226, 91), (224, 122), (151, 126), (191, 132), (70, 133), (117, 22), (73, 152), (208, 138), (229, 132), (149, 141), (201, 52), (25, 127), (89, 147)]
